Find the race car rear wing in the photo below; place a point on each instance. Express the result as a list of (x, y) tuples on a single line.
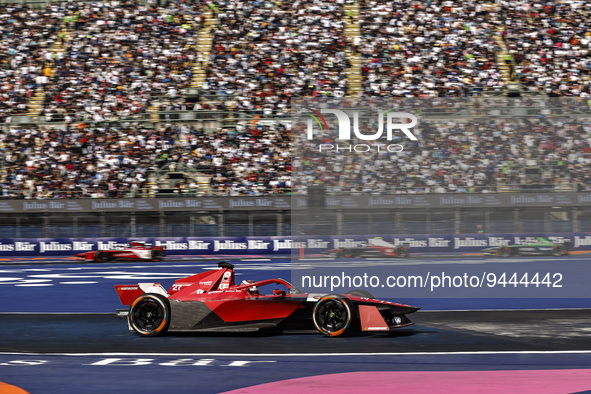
[(202, 283), (128, 293)]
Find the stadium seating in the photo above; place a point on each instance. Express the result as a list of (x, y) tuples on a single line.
[(97, 62), (550, 42), (26, 35), (264, 56), (427, 49), (119, 57)]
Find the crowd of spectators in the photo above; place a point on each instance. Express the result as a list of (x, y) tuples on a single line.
[(428, 49), (79, 161), (265, 53), (551, 45), (466, 156), (98, 162), (122, 57), (247, 160), (118, 57), (25, 38)]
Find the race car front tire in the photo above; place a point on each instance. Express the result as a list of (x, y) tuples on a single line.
[(333, 315), (149, 315)]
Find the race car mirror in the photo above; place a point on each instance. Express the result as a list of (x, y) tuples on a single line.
[(279, 293)]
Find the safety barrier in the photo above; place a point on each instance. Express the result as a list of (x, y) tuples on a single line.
[(284, 245)]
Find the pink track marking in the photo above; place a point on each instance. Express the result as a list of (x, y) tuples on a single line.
[(560, 381)]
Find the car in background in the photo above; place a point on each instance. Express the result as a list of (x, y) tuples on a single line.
[(212, 302), (137, 251), (540, 247), (376, 247)]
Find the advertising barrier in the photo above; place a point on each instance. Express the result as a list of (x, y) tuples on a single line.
[(221, 204), (284, 245)]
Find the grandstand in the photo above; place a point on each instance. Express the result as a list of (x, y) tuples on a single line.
[(192, 98)]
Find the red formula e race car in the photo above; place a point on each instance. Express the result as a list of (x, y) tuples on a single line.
[(211, 301), (136, 251)]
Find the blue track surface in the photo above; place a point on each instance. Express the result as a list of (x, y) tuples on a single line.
[(215, 374), (71, 288)]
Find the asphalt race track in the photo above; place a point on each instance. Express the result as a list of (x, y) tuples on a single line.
[(49, 345), (463, 331), (96, 353)]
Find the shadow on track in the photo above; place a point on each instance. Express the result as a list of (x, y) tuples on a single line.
[(434, 332)]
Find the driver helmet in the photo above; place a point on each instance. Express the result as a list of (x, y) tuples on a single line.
[(252, 289)]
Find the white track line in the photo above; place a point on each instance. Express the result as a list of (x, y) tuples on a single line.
[(475, 353), (254, 260)]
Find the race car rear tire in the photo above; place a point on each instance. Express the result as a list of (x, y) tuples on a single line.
[(149, 315), (559, 250), (402, 253), (99, 257), (346, 253), (505, 252), (333, 315), (360, 293), (157, 256)]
